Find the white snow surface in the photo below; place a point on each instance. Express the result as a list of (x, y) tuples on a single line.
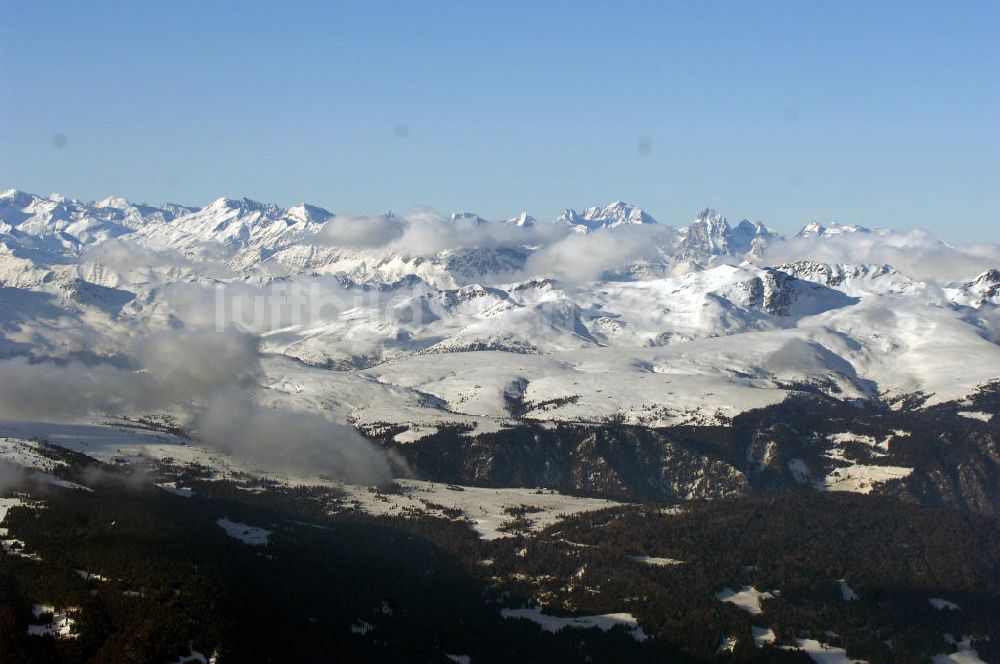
[(658, 562), (846, 591), (5, 505), (252, 535), (747, 598), (482, 507), (763, 636), (603, 622), (964, 653), (860, 478), (171, 487), (60, 626), (822, 653), (11, 546)]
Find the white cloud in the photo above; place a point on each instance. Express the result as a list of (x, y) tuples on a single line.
[(915, 253), (214, 378), (581, 258), (346, 230)]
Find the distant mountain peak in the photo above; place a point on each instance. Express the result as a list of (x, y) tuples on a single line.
[(711, 234), (116, 202), (833, 229), (613, 215), (309, 213), (618, 213), (756, 225), (710, 215), (988, 280), (989, 276), (708, 234), (812, 229), (16, 198), (243, 205), (524, 219)]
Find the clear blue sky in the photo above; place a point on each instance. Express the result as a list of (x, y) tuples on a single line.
[(783, 111)]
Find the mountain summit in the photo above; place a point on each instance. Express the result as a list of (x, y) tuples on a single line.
[(613, 215), (711, 235)]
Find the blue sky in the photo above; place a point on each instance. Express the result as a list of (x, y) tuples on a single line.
[(782, 111)]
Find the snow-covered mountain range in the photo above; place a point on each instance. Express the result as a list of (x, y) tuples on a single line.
[(416, 320)]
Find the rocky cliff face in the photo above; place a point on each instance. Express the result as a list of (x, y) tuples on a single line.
[(612, 461), (931, 456)]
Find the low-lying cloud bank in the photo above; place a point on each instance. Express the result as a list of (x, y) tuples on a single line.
[(213, 378), (423, 232), (581, 258), (914, 253)]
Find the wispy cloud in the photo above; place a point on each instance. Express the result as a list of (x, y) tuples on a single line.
[(213, 378)]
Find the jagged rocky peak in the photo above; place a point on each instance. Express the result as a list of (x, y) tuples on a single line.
[(985, 287), (988, 278), (709, 217), (524, 219), (712, 235), (709, 234), (771, 291)]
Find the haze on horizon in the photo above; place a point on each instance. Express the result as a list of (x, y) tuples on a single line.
[(880, 116)]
